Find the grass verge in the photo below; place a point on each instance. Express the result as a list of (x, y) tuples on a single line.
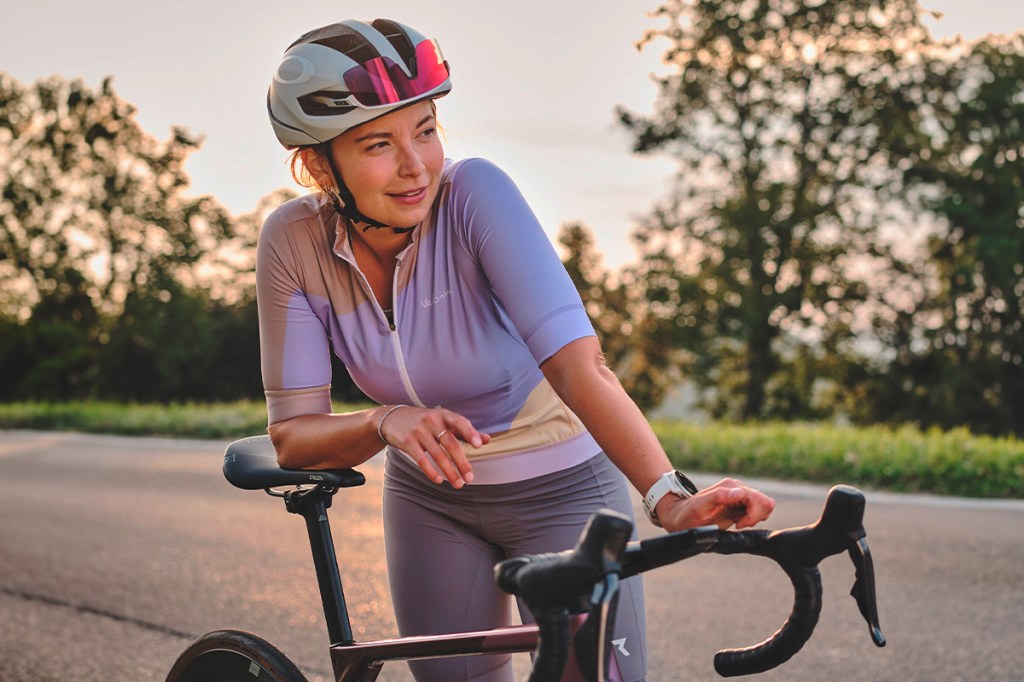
[(181, 420), (904, 459)]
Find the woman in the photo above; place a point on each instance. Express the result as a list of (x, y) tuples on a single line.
[(438, 289)]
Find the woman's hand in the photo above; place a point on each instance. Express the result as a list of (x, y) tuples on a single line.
[(434, 438), (726, 503)]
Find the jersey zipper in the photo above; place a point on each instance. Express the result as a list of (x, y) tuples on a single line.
[(403, 370), (396, 341)]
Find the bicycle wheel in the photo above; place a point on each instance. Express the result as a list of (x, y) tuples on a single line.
[(233, 656)]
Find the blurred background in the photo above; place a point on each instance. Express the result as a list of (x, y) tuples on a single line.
[(774, 210), (797, 225)]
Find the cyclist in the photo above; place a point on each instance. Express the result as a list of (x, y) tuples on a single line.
[(433, 282)]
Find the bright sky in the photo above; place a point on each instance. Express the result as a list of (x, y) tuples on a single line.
[(535, 85)]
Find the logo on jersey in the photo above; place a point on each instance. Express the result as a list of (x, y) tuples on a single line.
[(437, 298)]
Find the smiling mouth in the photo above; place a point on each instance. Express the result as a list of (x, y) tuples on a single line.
[(410, 194)]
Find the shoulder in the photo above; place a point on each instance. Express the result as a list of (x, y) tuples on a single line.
[(292, 234), (475, 174), (295, 215)]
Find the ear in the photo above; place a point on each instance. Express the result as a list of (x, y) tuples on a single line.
[(315, 163)]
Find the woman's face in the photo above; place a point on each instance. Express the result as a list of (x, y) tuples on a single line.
[(392, 165)]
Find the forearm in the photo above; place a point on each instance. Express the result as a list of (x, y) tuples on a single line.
[(327, 441), (594, 394), (579, 376)]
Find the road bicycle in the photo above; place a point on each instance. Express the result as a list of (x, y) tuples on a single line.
[(571, 594)]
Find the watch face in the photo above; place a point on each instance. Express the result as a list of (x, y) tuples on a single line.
[(687, 484)]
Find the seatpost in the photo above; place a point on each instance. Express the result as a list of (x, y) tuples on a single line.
[(312, 504)]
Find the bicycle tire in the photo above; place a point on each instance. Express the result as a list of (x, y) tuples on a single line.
[(233, 656)]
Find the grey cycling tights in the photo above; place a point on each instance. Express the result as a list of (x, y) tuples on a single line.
[(442, 545)]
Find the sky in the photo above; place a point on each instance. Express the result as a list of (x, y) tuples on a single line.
[(535, 86)]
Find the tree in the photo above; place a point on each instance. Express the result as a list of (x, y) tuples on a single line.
[(93, 216), (787, 118), (958, 345), (646, 368), (84, 188)]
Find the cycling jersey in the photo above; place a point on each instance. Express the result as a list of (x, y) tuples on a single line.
[(480, 300)]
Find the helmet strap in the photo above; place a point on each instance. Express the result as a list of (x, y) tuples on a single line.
[(345, 203)]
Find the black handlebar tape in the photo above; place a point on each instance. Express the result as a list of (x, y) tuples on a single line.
[(789, 638), (552, 646), (798, 552)]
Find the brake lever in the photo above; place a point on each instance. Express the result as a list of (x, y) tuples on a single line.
[(853, 538), (840, 528), (863, 590)]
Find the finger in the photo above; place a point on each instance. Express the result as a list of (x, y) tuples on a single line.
[(466, 432), (457, 454), (426, 465), (758, 508), (442, 459), (446, 462), (724, 505), (424, 447)]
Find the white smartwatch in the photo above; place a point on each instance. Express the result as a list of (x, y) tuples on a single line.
[(674, 482)]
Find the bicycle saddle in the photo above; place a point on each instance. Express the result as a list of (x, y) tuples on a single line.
[(251, 464)]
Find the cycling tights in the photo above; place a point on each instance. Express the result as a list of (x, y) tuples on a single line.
[(442, 544)]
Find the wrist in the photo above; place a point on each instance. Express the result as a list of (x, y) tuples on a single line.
[(672, 487), (383, 416)]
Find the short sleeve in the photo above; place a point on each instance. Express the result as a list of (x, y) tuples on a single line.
[(294, 347), (527, 277)]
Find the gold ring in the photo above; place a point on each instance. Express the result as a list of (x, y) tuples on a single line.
[(441, 435)]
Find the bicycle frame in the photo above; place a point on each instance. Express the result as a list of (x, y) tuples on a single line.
[(552, 585), (362, 661)]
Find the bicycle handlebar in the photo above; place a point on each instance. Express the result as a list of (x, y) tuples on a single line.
[(553, 583), (798, 551)]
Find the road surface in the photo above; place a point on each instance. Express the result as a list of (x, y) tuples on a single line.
[(118, 551)]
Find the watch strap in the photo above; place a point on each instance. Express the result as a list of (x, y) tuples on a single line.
[(674, 482)]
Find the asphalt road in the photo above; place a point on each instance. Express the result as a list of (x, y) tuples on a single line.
[(116, 552)]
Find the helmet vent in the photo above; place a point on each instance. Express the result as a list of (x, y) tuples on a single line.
[(399, 40), (343, 39), (325, 103)]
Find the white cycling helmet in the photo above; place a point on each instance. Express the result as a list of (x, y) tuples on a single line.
[(340, 76)]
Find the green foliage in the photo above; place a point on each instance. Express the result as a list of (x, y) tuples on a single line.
[(185, 420), (114, 284), (642, 362), (959, 350), (816, 141), (91, 206), (778, 113), (903, 459)]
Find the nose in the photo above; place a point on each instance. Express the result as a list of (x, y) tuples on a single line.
[(410, 164)]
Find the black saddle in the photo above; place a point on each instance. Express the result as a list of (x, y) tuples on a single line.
[(251, 464)]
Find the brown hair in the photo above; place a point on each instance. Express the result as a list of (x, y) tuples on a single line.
[(300, 171)]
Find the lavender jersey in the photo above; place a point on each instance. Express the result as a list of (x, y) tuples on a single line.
[(480, 300)]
